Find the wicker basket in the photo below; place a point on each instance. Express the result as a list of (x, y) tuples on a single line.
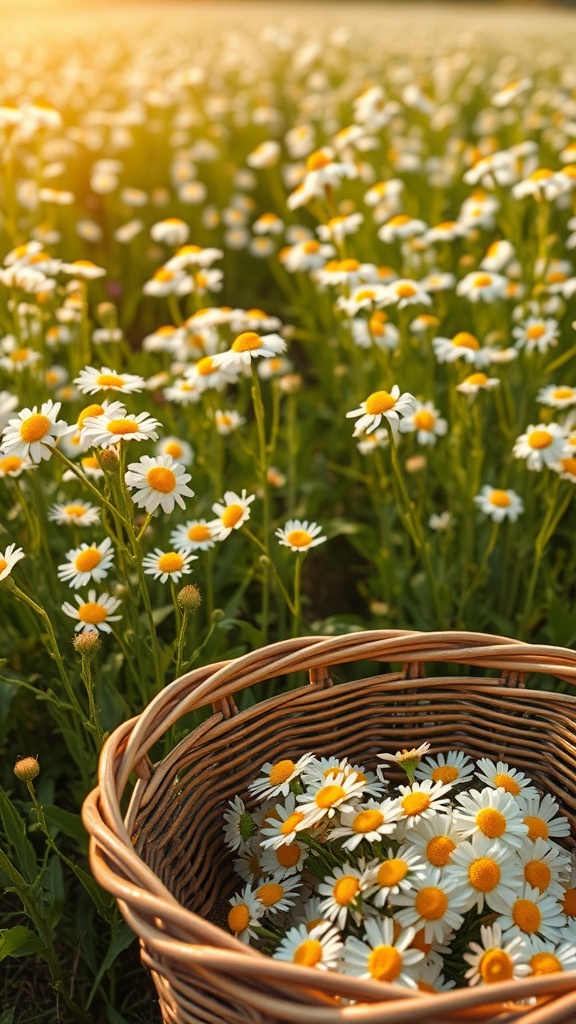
[(165, 859)]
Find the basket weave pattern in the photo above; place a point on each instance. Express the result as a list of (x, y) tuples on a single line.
[(165, 859)]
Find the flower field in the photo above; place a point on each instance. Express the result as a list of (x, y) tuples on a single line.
[(287, 345)]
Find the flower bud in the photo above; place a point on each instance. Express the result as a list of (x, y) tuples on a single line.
[(189, 598), (218, 614), (87, 644), (108, 459), (26, 768)]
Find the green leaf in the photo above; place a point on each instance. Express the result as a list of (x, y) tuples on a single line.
[(121, 939), (67, 823), (19, 941), (103, 904), (53, 882), (15, 828)]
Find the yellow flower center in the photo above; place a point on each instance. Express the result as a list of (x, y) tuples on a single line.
[(3, 564), (9, 463), (425, 420), (391, 872), (281, 771), (540, 438), (439, 851), (291, 823), (90, 410), (496, 966), (476, 379), (445, 773), (545, 963), (308, 953), (232, 515), (92, 612), (482, 280), (378, 403), (541, 174), (384, 963), (20, 355), (311, 247), (399, 220), (238, 918), (538, 874), (368, 821), (569, 466), (34, 427), (527, 916), (349, 265), (568, 902), (560, 393), (173, 448), (247, 342), (405, 290), (505, 781), (502, 500), (270, 893), (491, 822), (329, 795), (431, 903), (163, 275), (288, 855), (365, 293), (87, 560), (199, 532), (317, 160), (537, 827), (160, 478), (171, 561), (535, 331), (298, 538), (205, 366), (415, 803), (465, 340), (484, 874), (123, 426), (345, 890), (77, 511), (109, 380)]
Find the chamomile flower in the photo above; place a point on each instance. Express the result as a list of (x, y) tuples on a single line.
[(158, 482), (8, 559), (239, 824), (547, 956), (532, 912), (498, 774), (426, 422), (542, 444), (495, 959), (435, 839), (391, 406), (248, 346), (462, 346), (276, 896), (244, 914), (367, 822), (181, 451), (93, 614), (227, 421), (29, 434), (540, 815), (454, 768), (545, 866), (300, 535), (90, 381), (168, 565), (342, 892), (277, 777), (536, 333), (422, 800), (320, 947), (384, 956), (395, 873), (282, 824), (115, 425), (13, 465), (494, 813), (281, 861), (75, 513), (482, 286), (557, 396), (405, 292), (368, 443), (232, 512), (339, 793), (86, 564), (196, 535), (431, 904), (499, 504), (485, 874), (476, 382)]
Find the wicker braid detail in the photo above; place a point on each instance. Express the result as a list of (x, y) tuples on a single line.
[(165, 861)]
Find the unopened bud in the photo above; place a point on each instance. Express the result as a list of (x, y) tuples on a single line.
[(290, 383), (218, 614), (106, 314), (189, 598), (87, 644), (26, 768), (108, 459)]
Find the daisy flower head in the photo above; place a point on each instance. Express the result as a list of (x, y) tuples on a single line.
[(13, 465), (536, 333), (181, 451), (462, 345), (426, 422), (391, 406), (495, 959), (90, 381), (339, 793), (486, 874), (368, 443), (494, 813), (455, 768), (557, 396), (282, 823), (342, 892), (248, 346), (423, 800), (369, 821), (476, 382), (540, 815), (28, 434), (89, 563), (244, 914), (432, 904), (545, 867), (532, 912), (299, 535), (168, 565), (232, 512), (542, 444), (288, 859), (498, 774), (276, 777), (8, 559), (158, 482), (385, 956), (408, 760), (75, 513), (94, 614), (395, 873), (320, 947), (115, 424), (482, 286), (405, 292), (227, 421), (239, 824), (548, 957), (435, 839), (499, 504), (195, 535), (276, 896)]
